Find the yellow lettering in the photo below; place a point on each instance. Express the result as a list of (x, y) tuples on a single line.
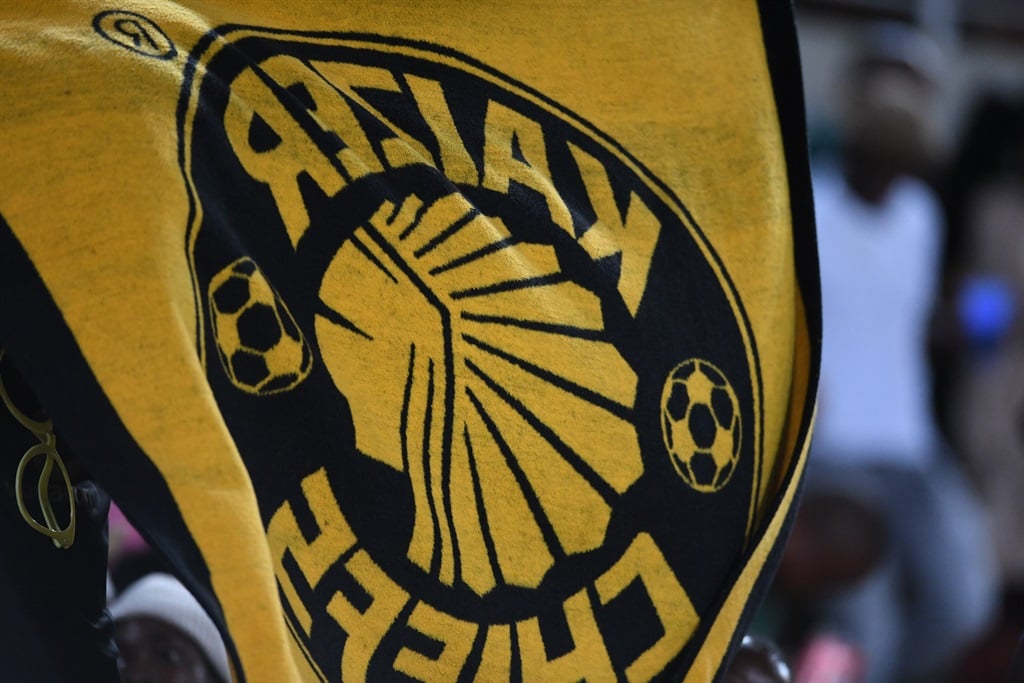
[(399, 151), (635, 237), (332, 113), (587, 661), (643, 560), (313, 557), (278, 150), (456, 163), (457, 637), (497, 655), (515, 150), (365, 629)]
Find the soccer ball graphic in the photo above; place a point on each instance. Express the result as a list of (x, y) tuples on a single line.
[(261, 347), (700, 422)]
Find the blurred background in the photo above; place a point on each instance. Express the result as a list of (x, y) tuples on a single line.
[(983, 43), (907, 557)]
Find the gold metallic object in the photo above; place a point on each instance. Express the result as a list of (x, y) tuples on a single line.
[(62, 537)]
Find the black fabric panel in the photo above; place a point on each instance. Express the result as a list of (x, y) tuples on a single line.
[(43, 349)]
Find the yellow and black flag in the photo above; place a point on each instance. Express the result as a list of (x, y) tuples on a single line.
[(426, 341)]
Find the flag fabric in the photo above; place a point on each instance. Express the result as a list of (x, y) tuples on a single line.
[(426, 341)]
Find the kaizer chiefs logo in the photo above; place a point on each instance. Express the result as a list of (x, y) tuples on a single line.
[(438, 312), (486, 381)]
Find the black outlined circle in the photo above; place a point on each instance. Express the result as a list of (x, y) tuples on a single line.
[(134, 32)]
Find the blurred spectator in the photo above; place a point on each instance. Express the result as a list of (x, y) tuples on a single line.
[(985, 406), (837, 539), (164, 636), (880, 231), (981, 352)]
